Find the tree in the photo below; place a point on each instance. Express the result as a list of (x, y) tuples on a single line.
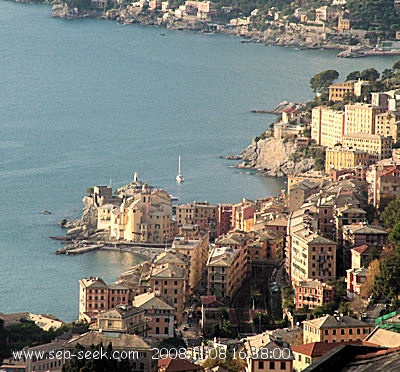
[(373, 270), (391, 214), (370, 74), (355, 75), (387, 283), (321, 81), (394, 235)]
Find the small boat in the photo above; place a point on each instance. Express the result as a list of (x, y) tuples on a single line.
[(179, 177)]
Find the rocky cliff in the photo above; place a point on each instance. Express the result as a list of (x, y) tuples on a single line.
[(273, 157)]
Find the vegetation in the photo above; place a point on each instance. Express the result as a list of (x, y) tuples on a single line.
[(320, 82), (391, 214), (27, 333)]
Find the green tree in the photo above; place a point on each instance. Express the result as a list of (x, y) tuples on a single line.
[(387, 283), (394, 235), (391, 214), (370, 74), (321, 81), (355, 75)]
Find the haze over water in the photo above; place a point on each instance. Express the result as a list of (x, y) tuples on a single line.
[(85, 101)]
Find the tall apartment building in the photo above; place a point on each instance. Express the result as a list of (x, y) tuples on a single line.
[(243, 215), (96, 296), (312, 293), (387, 124), (226, 272), (377, 146), (312, 257), (327, 126), (197, 251), (224, 218), (340, 157), (170, 282), (360, 118), (203, 214)]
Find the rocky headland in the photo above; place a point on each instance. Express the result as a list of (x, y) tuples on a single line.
[(273, 157)]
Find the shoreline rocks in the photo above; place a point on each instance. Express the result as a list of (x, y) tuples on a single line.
[(271, 156)]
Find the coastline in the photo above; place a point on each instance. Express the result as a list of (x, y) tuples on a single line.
[(301, 36)]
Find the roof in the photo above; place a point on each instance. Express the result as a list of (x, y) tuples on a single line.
[(208, 300), (118, 340), (222, 256), (149, 301), (315, 349), (312, 237), (365, 229), (95, 282), (177, 365), (361, 249), (383, 337), (330, 321), (168, 271)]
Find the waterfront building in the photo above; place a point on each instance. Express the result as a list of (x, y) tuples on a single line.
[(314, 176), (331, 328), (327, 126), (122, 319), (197, 251), (265, 352), (312, 293), (96, 296), (203, 214), (341, 157), (160, 313), (312, 256), (226, 271)]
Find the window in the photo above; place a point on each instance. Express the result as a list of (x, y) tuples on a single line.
[(260, 365), (342, 331), (283, 365), (334, 332), (166, 330), (271, 365)]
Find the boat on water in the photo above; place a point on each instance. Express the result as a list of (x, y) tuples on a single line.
[(179, 177)]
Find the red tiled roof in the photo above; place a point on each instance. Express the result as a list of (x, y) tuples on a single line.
[(177, 365), (206, 300), (361, 249), (317, 349)]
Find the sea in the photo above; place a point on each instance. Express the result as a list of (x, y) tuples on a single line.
[(89, 102)]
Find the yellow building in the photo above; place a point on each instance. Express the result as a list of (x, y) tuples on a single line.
[(344, 158), (378, 147), (124, 319), (388, 124), (331, 328), (327, 126), (243, 215), (226, 271), (312, 257), (340, 90), (197, 251), (170, 282), (360, 118), (145, 217), (267, 353)]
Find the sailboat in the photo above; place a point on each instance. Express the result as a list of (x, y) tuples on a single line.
[(179, 177)]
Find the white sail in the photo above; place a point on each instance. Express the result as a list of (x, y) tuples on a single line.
[(179, 177)]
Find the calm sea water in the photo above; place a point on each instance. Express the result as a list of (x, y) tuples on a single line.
[(85, 101)]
